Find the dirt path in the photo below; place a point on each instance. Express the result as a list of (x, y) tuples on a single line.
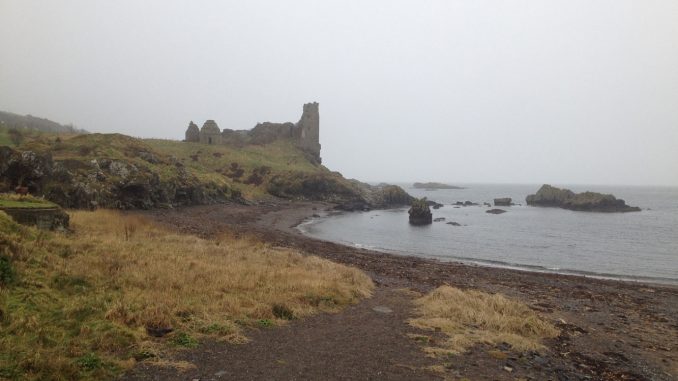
[(610, 330), (363, 342)]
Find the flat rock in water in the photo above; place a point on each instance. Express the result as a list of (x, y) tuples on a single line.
[(495, 211)]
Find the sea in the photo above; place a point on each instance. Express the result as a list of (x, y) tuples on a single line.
[(637, 246)]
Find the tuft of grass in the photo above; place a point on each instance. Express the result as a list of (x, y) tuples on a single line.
[(183, 339), (470, 317), (89, 361), (80, 303)]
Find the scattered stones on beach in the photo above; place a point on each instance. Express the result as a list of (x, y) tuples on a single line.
[(453, 223), (439, 219)]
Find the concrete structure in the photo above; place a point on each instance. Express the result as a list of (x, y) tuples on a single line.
[(305, 133)]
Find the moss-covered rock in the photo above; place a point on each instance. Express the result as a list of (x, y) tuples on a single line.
[(420, 213), (551, 196)]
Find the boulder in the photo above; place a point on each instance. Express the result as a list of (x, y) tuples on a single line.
[(550, 196), (433, 204), (504, 201), (420, 213)]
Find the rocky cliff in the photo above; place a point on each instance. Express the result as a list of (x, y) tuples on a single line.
[(103, 176), (551, 196), (117, 171)]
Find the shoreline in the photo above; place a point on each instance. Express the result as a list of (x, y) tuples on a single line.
[(610, 329), (312, 218)]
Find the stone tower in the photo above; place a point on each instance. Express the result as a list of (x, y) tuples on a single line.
[(210, 133), (308, 130), (192, 133)]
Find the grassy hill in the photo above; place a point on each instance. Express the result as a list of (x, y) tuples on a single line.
[(29, 122), (118, 171)]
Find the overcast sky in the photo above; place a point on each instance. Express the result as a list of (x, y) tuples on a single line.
[(579, 92)]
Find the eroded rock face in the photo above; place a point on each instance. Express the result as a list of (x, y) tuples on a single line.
[(349, 195), (551, 196), (104, 182), (420, 213)]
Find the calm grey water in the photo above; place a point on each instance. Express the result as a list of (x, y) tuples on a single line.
[(641, 245)]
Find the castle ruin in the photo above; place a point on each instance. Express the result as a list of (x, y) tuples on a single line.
[(305, 133)]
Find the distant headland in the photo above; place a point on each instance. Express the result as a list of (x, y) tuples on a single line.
[(434, 186)]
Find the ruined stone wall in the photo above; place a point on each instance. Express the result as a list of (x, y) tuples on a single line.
[(192, 133), (210, 133), (305, 133), (264, 133), (308, 130)]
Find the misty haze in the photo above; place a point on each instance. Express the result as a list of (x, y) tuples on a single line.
[(339, 190)]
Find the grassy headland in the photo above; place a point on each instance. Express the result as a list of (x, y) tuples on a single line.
[(118, 171)]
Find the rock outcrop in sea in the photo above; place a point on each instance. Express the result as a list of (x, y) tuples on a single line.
[(495, 211), (420, 213), (504, 201), (551, 196)]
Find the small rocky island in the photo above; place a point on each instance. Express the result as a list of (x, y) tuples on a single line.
[(551, 196), (420, 213), (434, 186)]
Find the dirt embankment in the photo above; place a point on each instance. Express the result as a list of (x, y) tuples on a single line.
[(610, 330)]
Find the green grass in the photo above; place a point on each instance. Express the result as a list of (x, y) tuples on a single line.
[(255, 172), (212, 162), (17, 201), (4, 138)]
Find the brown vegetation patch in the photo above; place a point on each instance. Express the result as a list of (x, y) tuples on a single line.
[(470, 317)]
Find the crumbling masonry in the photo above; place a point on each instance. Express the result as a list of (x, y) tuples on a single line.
[(305, 133)]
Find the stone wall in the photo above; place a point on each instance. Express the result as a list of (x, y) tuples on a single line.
[(306, 133), (210, 133), (43, 218), (192, 133), (308, 130)]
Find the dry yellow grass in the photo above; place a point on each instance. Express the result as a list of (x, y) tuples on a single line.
[(80, 303), (177, 280), (471, 317)]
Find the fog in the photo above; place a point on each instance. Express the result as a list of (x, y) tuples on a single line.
[(563, 92)]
